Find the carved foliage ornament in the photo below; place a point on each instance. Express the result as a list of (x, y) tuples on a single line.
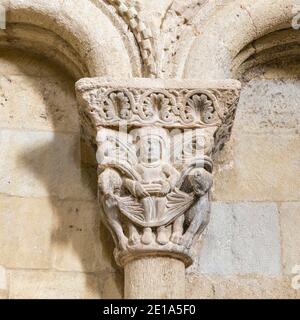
[(170, 108), (155, 140)]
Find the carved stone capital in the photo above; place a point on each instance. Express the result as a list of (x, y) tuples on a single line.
[(155, 142)]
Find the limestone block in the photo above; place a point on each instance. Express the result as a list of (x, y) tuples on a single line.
[(250, 287), (290, 224), (3, 283), (113, 286), (25, 237), (53, 285), (259, 168), (242, 238), (39, 164), (41, 103), (266, 131), (79, 241), (269, 107)]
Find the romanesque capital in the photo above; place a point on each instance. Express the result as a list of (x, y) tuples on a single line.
[(155, 141)]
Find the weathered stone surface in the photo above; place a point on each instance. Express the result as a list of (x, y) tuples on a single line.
[(283, 71), (269, 107), (36, 284), (141, 179), (29, 65), (113, 286), (242, 238), (34, 94), (184, 39), (259, 168), (157, 169), (25, 237), (43, 163), (216, 56), (247, 287), (266, 131), (290, 224), (79, 241), (38, 103), (88, 155), (157, 278), (66, 32), (153, 11), (212, 52)]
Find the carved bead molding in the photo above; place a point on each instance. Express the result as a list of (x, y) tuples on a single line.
[(155, 142)]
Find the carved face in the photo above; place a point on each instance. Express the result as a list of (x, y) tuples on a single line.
[(201, 181), (150, 149), (110, 182)]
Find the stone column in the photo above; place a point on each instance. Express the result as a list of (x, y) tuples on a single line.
[(154, 278), (155, 141)]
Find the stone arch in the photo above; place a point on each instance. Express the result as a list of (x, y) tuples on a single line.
[(225, 39), (88, 38)]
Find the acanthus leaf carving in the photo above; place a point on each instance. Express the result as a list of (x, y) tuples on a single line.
[(165, 107)]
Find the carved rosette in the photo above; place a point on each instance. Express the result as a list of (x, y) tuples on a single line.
[(155, 142)]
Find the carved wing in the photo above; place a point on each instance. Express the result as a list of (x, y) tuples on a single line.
[(131, 208), (178, 202), (115, 149), (204, 162), (190, 146)]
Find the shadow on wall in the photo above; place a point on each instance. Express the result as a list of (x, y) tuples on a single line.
[(62, 167)]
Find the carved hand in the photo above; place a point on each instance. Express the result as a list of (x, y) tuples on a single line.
[(135, 188), (140, 190), (165, 188), (162, 187), (152, 188), (110, 200)]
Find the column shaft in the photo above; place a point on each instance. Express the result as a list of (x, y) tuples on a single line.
[(155, 278)]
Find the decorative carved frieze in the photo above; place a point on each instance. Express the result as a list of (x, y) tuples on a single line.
[(155, 140)]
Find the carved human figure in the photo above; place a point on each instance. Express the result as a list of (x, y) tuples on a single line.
[(199, 181), (110, 185), (158, 178), (156, 202)]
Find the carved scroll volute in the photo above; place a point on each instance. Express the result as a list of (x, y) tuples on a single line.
[(155, 141)]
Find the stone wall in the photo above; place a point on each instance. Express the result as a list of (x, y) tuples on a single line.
[(251, 245), (52, 243)]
